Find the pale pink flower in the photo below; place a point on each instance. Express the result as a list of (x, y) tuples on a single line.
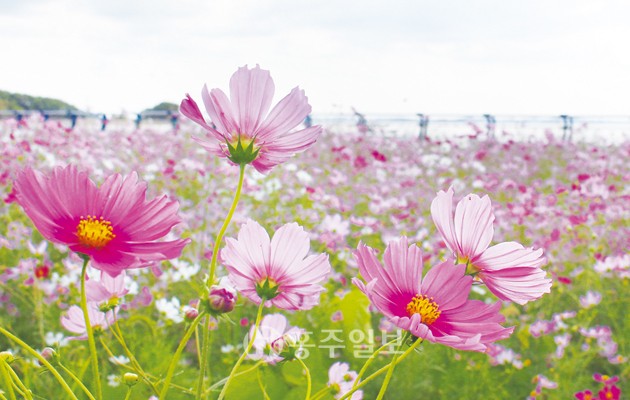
[(434, 307), (106, 289), (277, 270), (115, 225), (245, 116), (74, 321), (341, 380), (509, 270), (273, 329), (590, 299)]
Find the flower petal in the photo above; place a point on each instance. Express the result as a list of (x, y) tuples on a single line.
[(251, 92), (473, 225)]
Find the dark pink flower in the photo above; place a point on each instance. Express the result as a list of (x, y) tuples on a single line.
[(115, 225), (277, 269), (436, 307), (584, 395), (245, 118), (609, 393), (511, 271)]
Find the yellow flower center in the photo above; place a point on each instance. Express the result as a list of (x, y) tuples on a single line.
[(93, 232), (426, 307)]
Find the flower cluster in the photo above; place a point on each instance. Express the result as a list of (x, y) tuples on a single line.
[(436, 306)]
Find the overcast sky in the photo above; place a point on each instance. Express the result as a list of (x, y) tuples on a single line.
[(484, 56)]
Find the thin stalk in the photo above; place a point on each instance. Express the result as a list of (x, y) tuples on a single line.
[(261, 385), (323, 392), (132, 369), (128, 396), (7, 380), (77, 381), (222, 381), (247, 350), (19, 384), (226, 223), (42, 360), (390, 371), (308, 379), (39, 311), (90, 333), (382, 370), (203, 361), (178, 352), (369, 361), (117, 332)]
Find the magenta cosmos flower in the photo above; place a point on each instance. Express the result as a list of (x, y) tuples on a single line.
[(115, 225), (509, 270), (436, 307), (245, 118), (277, 270)]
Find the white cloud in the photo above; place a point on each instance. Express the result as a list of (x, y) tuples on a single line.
[(405, 56)]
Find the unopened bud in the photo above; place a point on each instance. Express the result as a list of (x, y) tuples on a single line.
[(286, 346), (130, 379), (191, 314), (221, 300), (49, 354)]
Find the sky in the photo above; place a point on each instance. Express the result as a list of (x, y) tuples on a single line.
[(387, 57)]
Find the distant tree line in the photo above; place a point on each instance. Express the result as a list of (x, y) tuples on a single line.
[(16, 101)]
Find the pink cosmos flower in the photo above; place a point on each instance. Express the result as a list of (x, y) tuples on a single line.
[(277, 270), (74, 322), (509, 270), (436, 307), (273, 333), (341, 379), (245, 117), (114, 225), (106, 288), (584, 395)]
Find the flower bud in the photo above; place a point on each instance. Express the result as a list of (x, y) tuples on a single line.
[(191, 314), (287, 345), (50, 355), (221, 300), (130, 379)]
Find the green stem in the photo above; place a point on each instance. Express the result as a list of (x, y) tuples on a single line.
[(369, 361), (39, 311), (382, 370), (308, 379), (226, 223), (203, 357), (247, 350), (42, 360), (178, 352), (261, 385), (90, 332), (133, 369), (222, 381), (7, 379), (117, 332), (390, 371), (128, 396), (77, 381), (19, 384), (324, 391)]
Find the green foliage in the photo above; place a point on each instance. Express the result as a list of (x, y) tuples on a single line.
[(16, 101)]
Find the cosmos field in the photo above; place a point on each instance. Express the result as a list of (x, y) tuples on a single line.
[(569, 199)]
